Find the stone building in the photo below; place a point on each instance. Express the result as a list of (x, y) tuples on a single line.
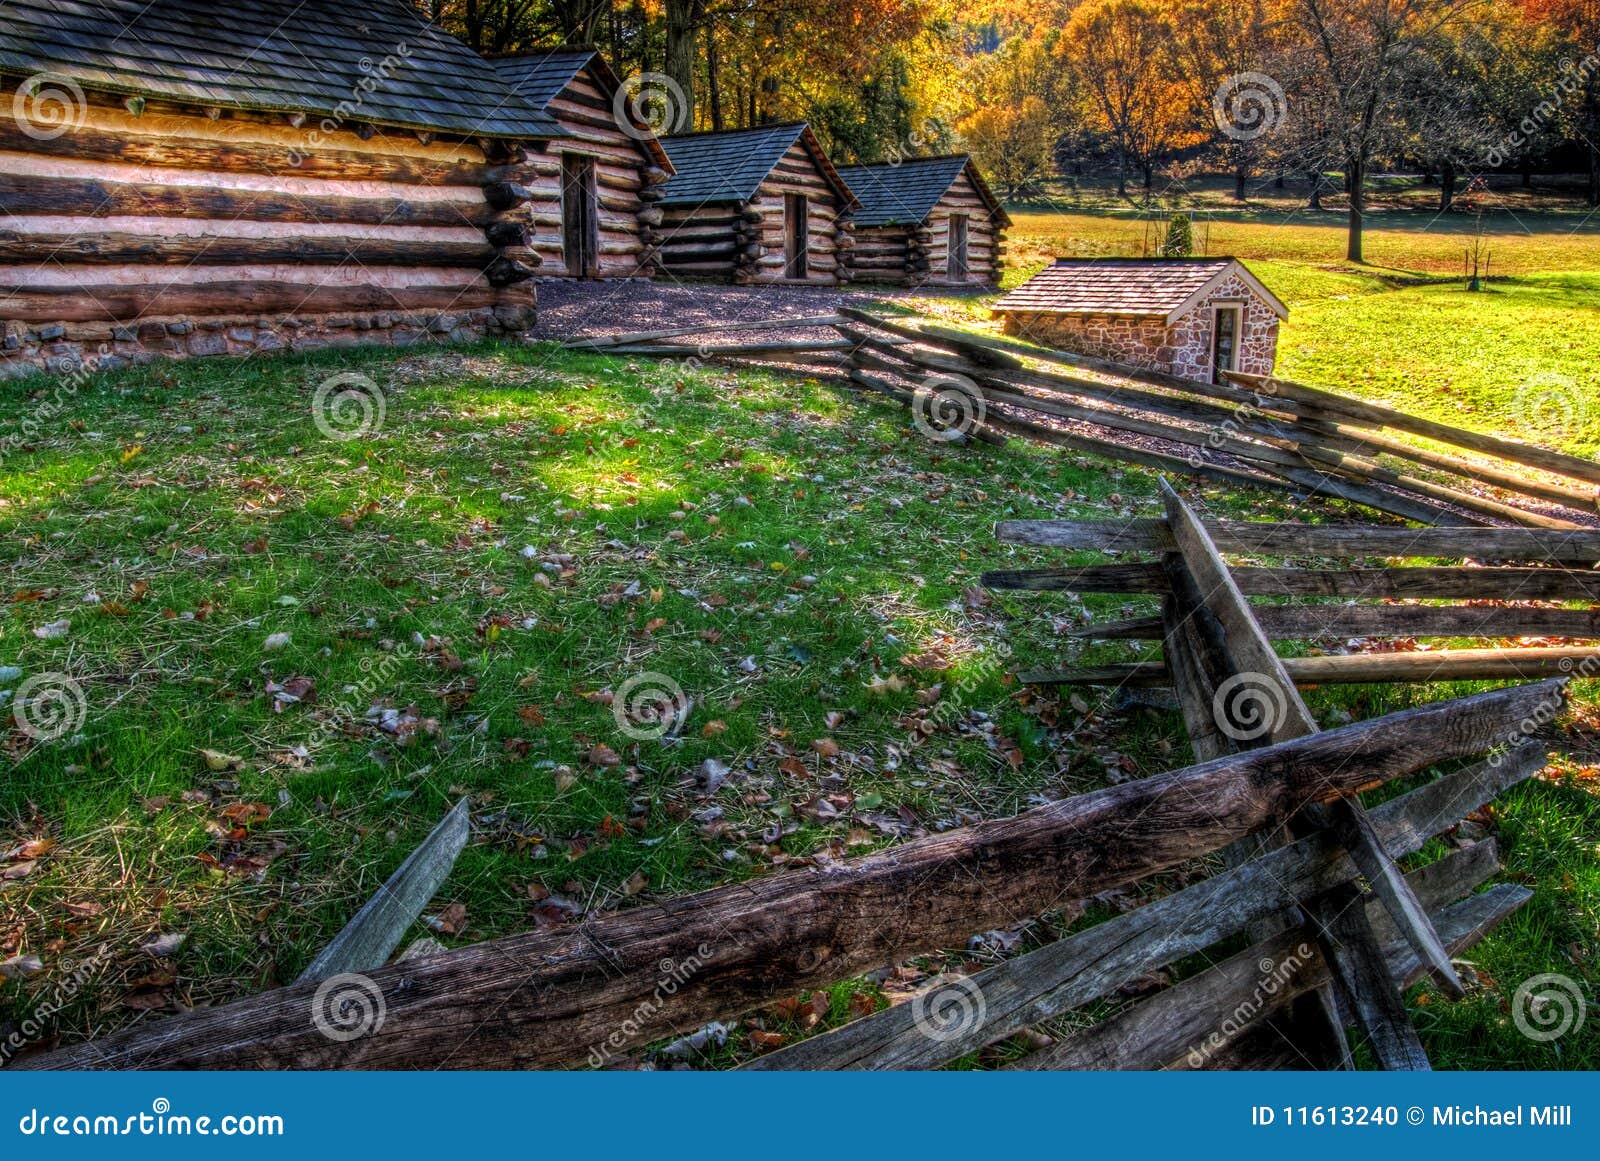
[(1191, 317)]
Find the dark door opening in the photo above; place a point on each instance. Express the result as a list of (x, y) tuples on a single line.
[(1224, 342), (959, 265), (580, 216), (796, 237)]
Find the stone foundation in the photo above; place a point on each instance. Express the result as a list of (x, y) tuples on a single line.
[(29, 349)]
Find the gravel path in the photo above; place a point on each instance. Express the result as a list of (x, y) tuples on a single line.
[(570, 309)]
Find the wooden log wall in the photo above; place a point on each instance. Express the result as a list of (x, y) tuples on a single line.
[(920, 255), (184, 213), (625, 174), (744, 241)]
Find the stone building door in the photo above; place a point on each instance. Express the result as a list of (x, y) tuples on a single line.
[(1224, 342)]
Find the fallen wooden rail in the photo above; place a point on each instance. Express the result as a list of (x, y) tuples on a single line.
[(549, 999)]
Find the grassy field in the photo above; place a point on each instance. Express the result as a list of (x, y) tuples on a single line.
[(296, 652)]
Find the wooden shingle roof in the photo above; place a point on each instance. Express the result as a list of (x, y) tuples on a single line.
[(271, 55), (1140, 287), (731, 165), (904, 193)]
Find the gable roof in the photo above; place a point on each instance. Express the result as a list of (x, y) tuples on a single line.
[(1164, 288), (538, 78), (904, 193), (272, 55), (729, 166)]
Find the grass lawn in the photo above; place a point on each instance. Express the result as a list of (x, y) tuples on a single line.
[(296, 652)]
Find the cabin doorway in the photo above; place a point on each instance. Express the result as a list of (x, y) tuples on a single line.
[(959, 265), (796, 237), (1224, 342), (580, 216)]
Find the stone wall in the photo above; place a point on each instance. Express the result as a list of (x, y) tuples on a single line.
[(27, 349), (1184, 349)]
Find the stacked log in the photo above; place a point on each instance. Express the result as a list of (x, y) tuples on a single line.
[(749, 243), (229, 231), (919, 250), (651, 218), (845, 245)]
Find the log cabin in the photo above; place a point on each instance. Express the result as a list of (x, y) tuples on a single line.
[(179, 179), (594, 211), (927, 221), (756, 206), (1196, 318)]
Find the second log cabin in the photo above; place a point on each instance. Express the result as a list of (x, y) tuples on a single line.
[(594, 211), (175, 180), (756, 207), (926, 222)]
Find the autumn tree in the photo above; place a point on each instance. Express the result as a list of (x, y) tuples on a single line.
[(1572, 96), (1121, 61), (1012, 144)]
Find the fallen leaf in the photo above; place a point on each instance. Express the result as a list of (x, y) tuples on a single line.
[(164, 945), (451, 921)]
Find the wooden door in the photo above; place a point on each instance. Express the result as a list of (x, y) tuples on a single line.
[(1224, 342), (796, 237), (959, 265), (580, 216)]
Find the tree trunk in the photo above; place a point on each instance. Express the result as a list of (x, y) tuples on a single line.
[(1447, 185), (681, 37), (1241, 174), (713, 79), (1122, 173), (1594, 174), (1315, 178), (1356, 179), (1527, 175)]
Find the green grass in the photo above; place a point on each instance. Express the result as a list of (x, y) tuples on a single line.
[(799, 562)]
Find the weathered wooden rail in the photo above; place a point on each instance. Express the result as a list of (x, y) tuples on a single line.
[(615, 982)]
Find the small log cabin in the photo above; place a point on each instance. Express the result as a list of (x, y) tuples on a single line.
[(182, 179), (756, 206), (929, 221), (1191, 317), (595, 190)]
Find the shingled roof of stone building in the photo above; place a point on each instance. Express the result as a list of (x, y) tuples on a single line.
[(1142, 287), (729, 166), (904, 193), (272, 55)]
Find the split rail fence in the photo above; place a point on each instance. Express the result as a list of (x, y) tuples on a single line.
[(1300, 950)]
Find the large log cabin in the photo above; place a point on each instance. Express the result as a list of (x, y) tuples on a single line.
[(926, 222), (756, 207), (179, 179), (595, 189)]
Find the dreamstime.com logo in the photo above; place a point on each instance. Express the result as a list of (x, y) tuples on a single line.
[(160, 1121), (347, 1007), (1248, 707), (49, 105), (1249, 105), (49, 706), (1550, 402), (1547, 1007), (946, 408), (650, 105), (950, 1008), (349, 406), (648, 706)]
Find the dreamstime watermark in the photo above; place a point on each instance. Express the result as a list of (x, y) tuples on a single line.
[(990, 662), (1249, 706), (375, 76), (1249, 105), (48, 105), (675, 974), (348, 406), (49, 706), (1547, 711), (1275, 976), (649, 706), (1245, 416), (946, 408), (1550, 401), (950, 1008), (347, 1007), (36, 1023), (650, 105), (72, 374), (1572, 82), (160, 1121), (1547, 1007)]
